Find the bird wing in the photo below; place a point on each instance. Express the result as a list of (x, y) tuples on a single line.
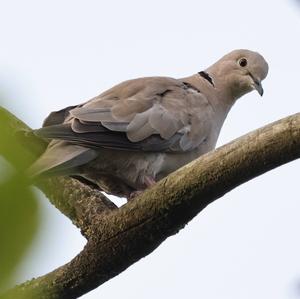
[(148, 114), (57, 117)]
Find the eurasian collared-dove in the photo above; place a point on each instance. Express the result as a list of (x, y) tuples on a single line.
[(141, 130)]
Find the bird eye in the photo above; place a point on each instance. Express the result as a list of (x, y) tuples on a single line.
[(243, 62)]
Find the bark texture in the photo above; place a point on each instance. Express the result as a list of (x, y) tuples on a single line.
[(118, 237)]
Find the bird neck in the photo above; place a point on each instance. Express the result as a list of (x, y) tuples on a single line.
[(215, 91)]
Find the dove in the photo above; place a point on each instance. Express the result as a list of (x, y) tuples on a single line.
[(139, 131)]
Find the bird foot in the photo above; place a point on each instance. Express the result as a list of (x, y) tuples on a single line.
[(149, 182), (134, 194)]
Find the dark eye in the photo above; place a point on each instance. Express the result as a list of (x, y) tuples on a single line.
[(243, 62)]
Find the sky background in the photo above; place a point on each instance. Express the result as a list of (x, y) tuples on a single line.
[(59, 53)]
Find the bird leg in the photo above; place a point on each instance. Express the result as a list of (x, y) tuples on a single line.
[(134, 194), (149, 182)]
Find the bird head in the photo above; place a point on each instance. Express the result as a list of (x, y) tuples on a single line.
[(241, 71)]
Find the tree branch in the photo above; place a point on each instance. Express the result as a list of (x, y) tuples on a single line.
[(119, 238), (78, 201)]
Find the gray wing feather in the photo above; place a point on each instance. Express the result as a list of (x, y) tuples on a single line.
[(116, 126), (57, 117), (150, 114), (107, 139), (163, 121), (92, 114)]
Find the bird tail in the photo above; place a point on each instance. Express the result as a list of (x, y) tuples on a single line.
[(61, 158)]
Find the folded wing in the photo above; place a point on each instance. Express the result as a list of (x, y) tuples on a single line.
[(155, 114)]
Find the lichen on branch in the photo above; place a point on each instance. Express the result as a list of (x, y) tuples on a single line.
[(117, 238)]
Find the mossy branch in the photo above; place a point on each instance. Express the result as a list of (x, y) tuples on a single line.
[(120, 237)]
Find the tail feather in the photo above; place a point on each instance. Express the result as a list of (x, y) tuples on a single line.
[(61, 158)]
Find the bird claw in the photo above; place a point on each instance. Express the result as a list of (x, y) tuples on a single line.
[(134, 194), (149, 181)]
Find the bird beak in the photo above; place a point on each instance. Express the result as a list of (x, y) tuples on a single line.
[(257, 85), (259, 88)]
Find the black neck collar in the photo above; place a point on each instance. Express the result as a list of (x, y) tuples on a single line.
[(207, 77)]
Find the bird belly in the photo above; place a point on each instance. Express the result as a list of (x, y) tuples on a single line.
[(122, 172), (174, 161)]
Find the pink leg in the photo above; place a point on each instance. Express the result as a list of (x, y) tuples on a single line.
[(149, 182), (134, 194)]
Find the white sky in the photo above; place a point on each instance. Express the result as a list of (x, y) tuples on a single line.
[(57, 53)]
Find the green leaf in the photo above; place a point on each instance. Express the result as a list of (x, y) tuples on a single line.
[(10, 146), (18, 223), (18, 206)]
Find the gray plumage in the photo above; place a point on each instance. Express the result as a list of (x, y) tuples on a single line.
[(141, 130)]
